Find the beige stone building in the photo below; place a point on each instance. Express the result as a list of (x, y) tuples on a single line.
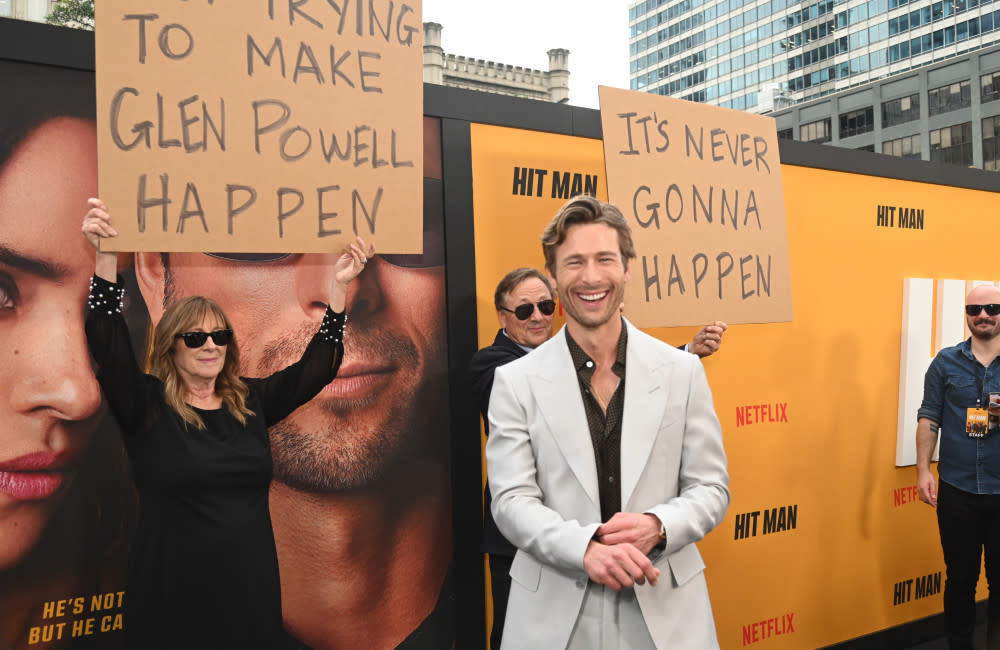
[(550, 85), (441, 68), (35, 10)]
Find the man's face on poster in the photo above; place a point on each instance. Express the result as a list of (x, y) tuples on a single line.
[(385, 406)]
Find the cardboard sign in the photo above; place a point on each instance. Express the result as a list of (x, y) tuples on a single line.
[(701, 188), (277, 126)]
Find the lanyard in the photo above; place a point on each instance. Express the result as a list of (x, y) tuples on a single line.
[(979, 385)]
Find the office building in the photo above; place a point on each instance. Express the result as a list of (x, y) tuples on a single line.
[(759, 55), (35, 10), (947, 112)]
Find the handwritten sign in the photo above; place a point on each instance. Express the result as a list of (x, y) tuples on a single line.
[(701, 188), (265, 126)]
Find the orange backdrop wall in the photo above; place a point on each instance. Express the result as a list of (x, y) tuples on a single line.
[(824, 540)]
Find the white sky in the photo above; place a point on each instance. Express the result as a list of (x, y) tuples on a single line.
[(520, 32)]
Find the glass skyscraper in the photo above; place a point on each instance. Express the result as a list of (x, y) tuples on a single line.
[(760, 55)]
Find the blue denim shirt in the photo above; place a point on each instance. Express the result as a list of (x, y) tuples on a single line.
[(950, 386)]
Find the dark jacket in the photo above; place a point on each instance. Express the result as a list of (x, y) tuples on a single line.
[(481, 370)]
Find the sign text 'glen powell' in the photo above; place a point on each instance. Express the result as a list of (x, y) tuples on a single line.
[(701, 188), (283, 127)]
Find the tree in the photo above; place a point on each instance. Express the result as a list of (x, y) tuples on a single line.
[(72, 13)]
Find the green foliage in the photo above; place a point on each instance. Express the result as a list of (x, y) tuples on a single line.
[(72, 13)]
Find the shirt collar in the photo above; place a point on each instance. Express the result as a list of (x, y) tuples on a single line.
[(581, 358), (966, 348), (523, 347)]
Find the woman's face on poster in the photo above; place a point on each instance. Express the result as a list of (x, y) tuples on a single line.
[(49, 399)]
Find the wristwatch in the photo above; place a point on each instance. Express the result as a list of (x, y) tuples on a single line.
[(662, 544)]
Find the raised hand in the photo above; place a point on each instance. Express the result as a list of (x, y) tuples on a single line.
[(97, 223), (347, 267), (97, 226), (708, 340)]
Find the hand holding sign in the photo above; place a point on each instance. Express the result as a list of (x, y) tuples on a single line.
[(347, 267)]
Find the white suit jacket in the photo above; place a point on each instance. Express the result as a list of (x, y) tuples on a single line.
[(543, 478)]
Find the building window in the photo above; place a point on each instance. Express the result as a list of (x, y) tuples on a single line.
[(899, 111), (867, 147), (949, 98), (991, 87), (991, 144), (786, 134), (906, 147), (952, 145), (818, 131), (855, 122)]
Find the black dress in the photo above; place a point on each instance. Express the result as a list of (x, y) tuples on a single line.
[(203, 571)]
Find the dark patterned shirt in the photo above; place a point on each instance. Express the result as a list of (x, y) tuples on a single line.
[(605, 427)]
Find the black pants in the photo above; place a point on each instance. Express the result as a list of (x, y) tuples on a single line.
[(500, 589), (969, 523)]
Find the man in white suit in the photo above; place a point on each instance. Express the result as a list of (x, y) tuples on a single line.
[(605, 462)]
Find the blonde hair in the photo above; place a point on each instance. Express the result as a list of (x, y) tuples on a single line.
[(585, 210), (182, 316)]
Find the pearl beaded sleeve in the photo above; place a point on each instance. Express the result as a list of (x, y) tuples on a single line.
[(332, 328), (105, 297)]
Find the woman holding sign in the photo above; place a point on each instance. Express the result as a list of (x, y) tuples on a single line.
[(203, 571)]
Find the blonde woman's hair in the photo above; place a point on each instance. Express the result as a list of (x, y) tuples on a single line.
[(183, 316)]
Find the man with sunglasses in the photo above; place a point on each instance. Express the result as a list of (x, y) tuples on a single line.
[(360, 500), (525, 305), (960, 387)]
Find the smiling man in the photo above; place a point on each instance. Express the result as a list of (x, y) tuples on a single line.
[(959, 387), (605, 463), (525, 304)]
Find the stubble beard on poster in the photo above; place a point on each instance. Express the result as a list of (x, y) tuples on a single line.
[(347, 456)]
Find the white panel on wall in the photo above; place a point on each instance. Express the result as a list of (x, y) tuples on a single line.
[(914, 357)]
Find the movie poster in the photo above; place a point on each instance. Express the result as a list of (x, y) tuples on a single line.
[(360, 503), (66, 498)]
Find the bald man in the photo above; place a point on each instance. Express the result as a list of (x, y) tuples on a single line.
[(959, 387)]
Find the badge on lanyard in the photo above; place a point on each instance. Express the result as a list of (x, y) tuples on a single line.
[(976, 422), (979, 421)]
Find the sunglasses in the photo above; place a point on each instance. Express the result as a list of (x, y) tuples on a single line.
[(524, 312), (197, 339), (991, 310)]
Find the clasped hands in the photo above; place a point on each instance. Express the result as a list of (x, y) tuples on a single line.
[(618, 556)]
